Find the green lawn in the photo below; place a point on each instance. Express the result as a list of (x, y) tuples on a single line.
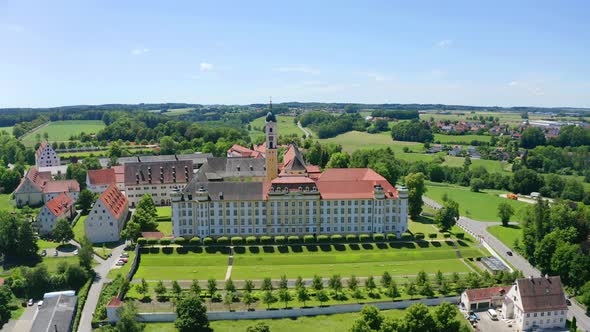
[(490, 165), (60, 131), (79, 231), (479, 206), (4, 206), (285, 126), (507, 234), (165, 227), (460, 139), (182, 266)]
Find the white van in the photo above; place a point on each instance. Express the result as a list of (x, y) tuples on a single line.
[(493, 314)]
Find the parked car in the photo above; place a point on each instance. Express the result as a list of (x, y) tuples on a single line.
[(55, 253), (43, 253), (509, 253), (124, 255), (120, 263), (76, 252), (40, 303), (30, 303), (124, 260)]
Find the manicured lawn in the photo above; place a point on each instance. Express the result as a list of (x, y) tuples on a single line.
[(422, 225), (355, 140), (285, 126), (59, 131), (52, 262), (507, 234), (490, 165), (182, 266), (481, 206), (164, 211), (79, 231), (460, 139), (165, 227), (4, 206)]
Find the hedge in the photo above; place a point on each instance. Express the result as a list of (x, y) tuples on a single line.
[(308, 239), (224, 240), (364, 237), (207, 241), (419, 236), (196, 241), (82, 296), (323, 239), (432, 235), (280, 239), (251, 240), (180, 241), (446, 235), (165, 241), (152, 241), (378, 237), (352, 238), (460, 235), (407, 236), (293, 239), (265, 240), (391, 237), (237, 240), (142, 241)]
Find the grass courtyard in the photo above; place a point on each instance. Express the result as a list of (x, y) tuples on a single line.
[(481, 206), (60, 131)]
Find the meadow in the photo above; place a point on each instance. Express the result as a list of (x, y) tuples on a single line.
[(460, 139), (61, 131), (490, 165), (507, 234), (6, 129), (481, 206), (285, 126)]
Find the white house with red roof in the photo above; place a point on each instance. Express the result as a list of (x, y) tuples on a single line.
[(60, 207), (98, 180), (107, 218), (483, 298), (30, 190), (238, 151), (54, 188), (45, 156)]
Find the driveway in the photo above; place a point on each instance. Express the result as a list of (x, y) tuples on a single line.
[(479, 228), (24, 323)]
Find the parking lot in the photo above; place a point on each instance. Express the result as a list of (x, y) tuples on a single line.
[(486, 324)]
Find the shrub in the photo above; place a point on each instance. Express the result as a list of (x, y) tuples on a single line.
[(407, 236), (208, 241), (237, 240), (432, 235), (142, 241), (391, 237), (364, 237), (265, 240), (308, 239), (280, 239), (223, 240), (352, 238), (336, 238), (151, 242), (419, 236), (446, 235), (378, 237), (323, 239), (251, 240), (460, 235), (195, 241), (165, 241), (180, 241), (293, 239)]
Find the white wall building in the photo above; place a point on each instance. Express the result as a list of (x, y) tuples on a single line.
[(54, 188), (98, 180), (60, 207), (46, 156), (107, 218), (30, 190)]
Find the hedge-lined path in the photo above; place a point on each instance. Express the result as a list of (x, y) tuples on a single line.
[(230, 263)]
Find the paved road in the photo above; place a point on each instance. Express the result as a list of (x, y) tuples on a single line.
[(479, 228), (101, 273), (307, 133), (24, 323)]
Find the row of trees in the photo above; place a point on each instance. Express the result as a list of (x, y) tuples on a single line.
[(326, 125)]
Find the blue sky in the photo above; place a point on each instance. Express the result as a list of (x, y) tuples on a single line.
[(455, 52)]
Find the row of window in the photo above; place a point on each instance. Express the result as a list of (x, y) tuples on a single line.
[(323, 203), (283, 230)]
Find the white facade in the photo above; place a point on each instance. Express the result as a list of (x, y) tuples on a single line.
[(46, 220), (51, 195), (28, 193), (46, 156), (101, 225), (512, 308), (289, 216), (160, 192)]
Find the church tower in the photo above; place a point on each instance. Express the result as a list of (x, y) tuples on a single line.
[(271, 145)]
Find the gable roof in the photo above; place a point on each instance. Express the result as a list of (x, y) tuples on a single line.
[(221, 168), (42, 148), (60, 204), (38, 179), (114, 201), (351, 183), (483, 294), (101, 176), (292, 160), (159, 172), (119, 174), (541, 294), (61, 186), (115, 303)]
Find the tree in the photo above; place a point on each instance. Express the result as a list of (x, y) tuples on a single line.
[(446, 217), (302, 294), (477, 185), (228, 299), (335, 283), (268, 298), (145, 220), (505, 212), (372, 316), (167, 145), (415, 131), (143, 288), (353, 283), (230, 287), (176, 289), (86, 253), (299, 282), (147, 203), (5, 299), (445, 316), (360, 326), (62, 231), (283, 283), (211, 286), (525, 181), (466, 163), (191, 315), (574, 325), (416, 188), (386, 279), (411, 289), (444, 288), (248, 285), (132, 231), (77, 172), (322, 296), (259, 327), (392, 290), (195, 288), (339, 160), (248, 299), (266, 284), (370, 284), (160, 290), (418, 319), (128, 319), (532, 137), (85, 200), (285, 296), (317, 283), (26, 240)]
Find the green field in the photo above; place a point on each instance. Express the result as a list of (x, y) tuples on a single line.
[(4, 198), (460, 139), (285, 126), (60, 131), (6, 129), (182, 266), (479, 206), (490, 165), (79, 231), (507, 234)]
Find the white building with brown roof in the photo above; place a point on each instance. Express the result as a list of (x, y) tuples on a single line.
[(30, 190), (45, 156), (98, 180), (60, 207), (107, 218), (483, 298), (536, 303), (54, 188)]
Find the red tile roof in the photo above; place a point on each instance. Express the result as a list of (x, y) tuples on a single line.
[(115, 303), (485, 294), (260, 148), (152, 235), (61, 186), (60, 204), (119, 174), (351, 183), (38, 179), (101, 176), (114, 200), (313, 169), (241, 151), (541, 294), (292, 180)]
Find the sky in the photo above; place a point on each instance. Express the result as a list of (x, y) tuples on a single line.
[(505, 53)]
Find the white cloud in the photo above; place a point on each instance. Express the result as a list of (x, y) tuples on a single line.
[(298, 69), (140, 51), (444, 43), (205, 66)]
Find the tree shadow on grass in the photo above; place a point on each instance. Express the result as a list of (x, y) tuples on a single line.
[(325, 247), (268, 249), (368, 246), (339, 247), (168, 250), (513, 226), (354, 246), (400, 245), (311, 248), (462, 243), (283, 249), (181, 250), (254, 249), (197, 250), (381, 246), (423, 244), (239, 250), (436, 244), (297, 248)]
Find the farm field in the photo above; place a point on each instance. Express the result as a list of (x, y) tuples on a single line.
[(285, 126), (479, 206), (460, 139), (60, 131), (490, 165), (507, 234)]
